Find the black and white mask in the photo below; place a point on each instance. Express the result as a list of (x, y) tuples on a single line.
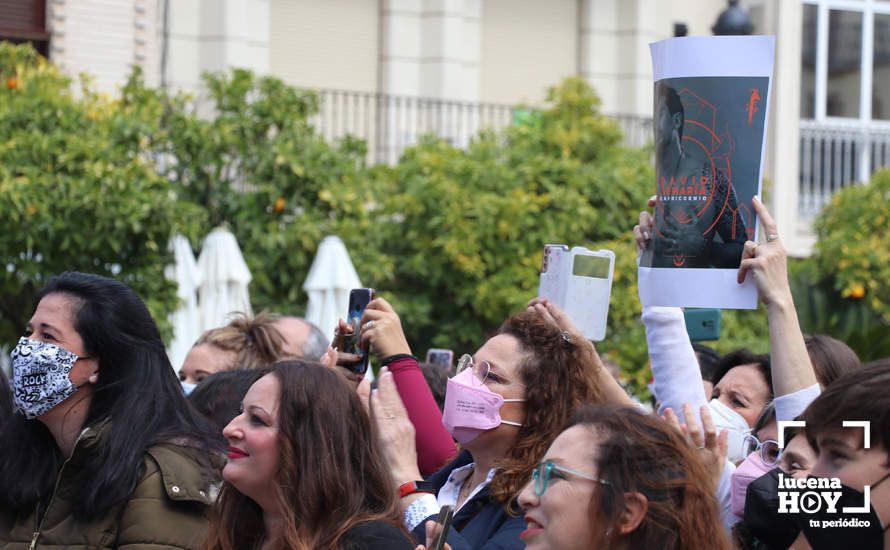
[(40, 376)]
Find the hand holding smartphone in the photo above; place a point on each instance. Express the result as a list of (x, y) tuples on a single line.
[(359, 298), (446, 514)]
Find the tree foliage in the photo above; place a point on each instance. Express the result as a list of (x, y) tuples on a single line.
[(468, 226), (78, 188), (844, 288)]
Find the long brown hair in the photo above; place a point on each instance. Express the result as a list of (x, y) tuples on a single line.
[(640, 453), (331, 477), (559, 376)]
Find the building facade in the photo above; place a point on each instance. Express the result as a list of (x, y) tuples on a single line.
[(390, 70)]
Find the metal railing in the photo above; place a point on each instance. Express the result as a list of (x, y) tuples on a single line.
[(834, 155), (391, 123)]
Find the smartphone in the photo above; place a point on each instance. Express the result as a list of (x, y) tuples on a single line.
[(702, 324), (442, 358), (446, 514), (358, 301), (579, 281)]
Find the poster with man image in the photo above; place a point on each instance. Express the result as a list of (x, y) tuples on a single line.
[(710, 119)]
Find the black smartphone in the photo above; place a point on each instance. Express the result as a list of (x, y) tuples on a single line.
[(702, 324), (442, 358), (446, 514), (358, 301)]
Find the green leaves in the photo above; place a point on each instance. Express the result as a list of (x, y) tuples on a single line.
[(844, 288), (78, 190)]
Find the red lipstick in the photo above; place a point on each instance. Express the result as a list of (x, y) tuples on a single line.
[(235, 452)]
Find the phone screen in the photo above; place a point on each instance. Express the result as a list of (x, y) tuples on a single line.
[(442, 358), (358, 301), (591, 266)]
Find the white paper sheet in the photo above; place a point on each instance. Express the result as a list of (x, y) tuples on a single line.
[(711, 104)]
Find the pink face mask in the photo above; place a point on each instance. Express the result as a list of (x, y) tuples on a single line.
[(471, 408), (750, 469)]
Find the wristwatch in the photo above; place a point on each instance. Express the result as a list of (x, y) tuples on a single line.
[(411, 487)]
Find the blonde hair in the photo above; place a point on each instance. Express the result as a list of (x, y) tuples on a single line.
[(254, 341)]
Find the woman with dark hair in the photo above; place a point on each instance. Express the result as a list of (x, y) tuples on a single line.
[(219, 396), (304, 470), (620, 478), (104, 451), (504, 407), (830, 357)]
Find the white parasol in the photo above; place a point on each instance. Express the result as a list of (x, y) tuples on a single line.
[(186, 319), (330, 279), (224, 279)]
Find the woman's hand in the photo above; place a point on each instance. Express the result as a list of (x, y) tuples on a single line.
[(345, 361), (767, 262), (382, 330), (432, 528), (612, 390), (394, 430), (551, 313), (643, 230), (711, 447)]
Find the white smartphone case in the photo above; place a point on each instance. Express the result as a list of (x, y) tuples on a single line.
[(579, 281)]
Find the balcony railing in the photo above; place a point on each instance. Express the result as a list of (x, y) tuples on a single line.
[(391, 123), (834, 155)]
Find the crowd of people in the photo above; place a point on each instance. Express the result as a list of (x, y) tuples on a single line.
[(269, 440)]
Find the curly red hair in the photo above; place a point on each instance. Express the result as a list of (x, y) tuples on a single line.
[(559, 376)]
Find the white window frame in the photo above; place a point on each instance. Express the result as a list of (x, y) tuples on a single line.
[(868, 9)]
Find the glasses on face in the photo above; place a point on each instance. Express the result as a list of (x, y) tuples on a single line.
[(770, 453), (482, 370), (546, 469)]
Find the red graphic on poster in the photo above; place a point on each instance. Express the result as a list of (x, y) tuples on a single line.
[(695, 203), (753, 100)]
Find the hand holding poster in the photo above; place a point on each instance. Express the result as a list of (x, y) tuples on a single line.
[(711, 101)]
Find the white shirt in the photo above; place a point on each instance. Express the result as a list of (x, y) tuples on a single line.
[(429, 505)]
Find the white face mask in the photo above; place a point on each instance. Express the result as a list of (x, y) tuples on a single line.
[(187, 387), (40, 376), (736, 426)]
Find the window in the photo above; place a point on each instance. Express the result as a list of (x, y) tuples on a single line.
[(845, 59), (24, 21)]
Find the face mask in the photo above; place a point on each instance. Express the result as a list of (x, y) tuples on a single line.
[(762, 515), (40, 376), (750, 469), (187, 387), (853, 533), (471, 408), (736, 426)]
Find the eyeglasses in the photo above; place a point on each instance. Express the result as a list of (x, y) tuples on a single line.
[(770, 453), (482, 370), (543, 471)]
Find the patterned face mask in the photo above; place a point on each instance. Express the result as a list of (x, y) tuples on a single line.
[(40, 376)]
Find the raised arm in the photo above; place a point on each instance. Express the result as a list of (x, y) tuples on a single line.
[(612, 391), (382, 328), (675, 370), (792, 370)]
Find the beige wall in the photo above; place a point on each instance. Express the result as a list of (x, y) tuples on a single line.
[(527, 45), (699, 15), (325, 44)]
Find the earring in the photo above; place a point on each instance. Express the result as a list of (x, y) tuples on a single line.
[(94, 378)]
